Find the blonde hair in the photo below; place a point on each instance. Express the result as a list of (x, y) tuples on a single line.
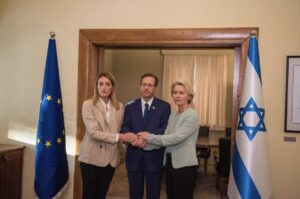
[(112, 97), (187, 87)]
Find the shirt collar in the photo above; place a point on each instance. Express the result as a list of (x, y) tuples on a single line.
[(108, 105), (149, 102)]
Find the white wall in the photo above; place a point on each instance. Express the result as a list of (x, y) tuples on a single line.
[(24, 28)]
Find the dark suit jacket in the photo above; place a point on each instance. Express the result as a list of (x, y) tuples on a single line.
[(156, 123)]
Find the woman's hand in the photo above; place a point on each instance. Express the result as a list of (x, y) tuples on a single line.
[(129, 137), (143, 135), (142, 138)]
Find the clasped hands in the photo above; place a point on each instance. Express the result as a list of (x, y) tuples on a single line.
[(138, 140)]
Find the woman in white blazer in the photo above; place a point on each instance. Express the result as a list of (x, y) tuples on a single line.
[(180, 140), (99, 154)]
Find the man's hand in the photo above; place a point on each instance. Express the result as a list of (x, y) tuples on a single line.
[(143, 135), (142, 138), (129, 137)]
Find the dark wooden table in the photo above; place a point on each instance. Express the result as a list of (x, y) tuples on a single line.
[(210, 142)]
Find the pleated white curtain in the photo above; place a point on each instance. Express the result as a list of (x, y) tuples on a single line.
[(208, 77), (210, 88), (176, 68)]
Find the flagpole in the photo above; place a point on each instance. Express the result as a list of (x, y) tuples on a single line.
[(52, 35), (250, 169), (253, 33), (51, 164)]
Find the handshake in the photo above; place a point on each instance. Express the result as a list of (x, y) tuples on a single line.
[(137, 140)]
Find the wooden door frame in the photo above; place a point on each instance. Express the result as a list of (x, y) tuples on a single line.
[(92, 43)]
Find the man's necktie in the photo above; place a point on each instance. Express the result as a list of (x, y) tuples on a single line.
[(146, 111)]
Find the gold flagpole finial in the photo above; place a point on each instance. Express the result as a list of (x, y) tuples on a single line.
[(253, 33), (52, 35)]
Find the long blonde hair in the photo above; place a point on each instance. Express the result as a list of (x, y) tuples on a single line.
[(112, 97)]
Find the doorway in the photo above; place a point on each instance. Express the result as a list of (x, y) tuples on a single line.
[(93, 42)]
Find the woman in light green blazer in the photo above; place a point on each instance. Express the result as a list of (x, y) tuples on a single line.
[(180, 140)]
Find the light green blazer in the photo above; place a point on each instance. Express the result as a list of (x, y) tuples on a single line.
[(180, 138)]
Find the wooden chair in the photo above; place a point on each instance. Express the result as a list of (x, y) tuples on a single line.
[(228, 131), (203, 152), (222, 164)]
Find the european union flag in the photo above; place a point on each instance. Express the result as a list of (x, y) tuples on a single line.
[(250, 170), (51, 166)]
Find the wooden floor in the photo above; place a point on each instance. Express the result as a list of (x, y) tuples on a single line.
[(205, 188)]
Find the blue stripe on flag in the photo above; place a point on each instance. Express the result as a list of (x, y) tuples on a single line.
[(243, 180), (253, 55)]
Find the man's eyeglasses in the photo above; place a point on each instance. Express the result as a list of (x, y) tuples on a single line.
[(147, 85)]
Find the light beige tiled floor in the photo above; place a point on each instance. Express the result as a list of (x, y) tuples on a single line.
[(205, 189)]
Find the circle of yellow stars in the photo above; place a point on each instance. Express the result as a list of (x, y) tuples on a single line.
[(48, 143), (59, 139)]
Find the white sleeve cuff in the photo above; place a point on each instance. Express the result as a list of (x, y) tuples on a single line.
[(117, 137)]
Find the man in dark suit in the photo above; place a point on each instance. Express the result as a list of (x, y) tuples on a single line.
[(148, 114)]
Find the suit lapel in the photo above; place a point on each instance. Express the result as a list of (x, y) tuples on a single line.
[(112, 116), (138, 105), (153, 107), (139, 111), (152, 110), (100, 107)]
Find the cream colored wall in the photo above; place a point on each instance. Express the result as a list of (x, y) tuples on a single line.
[(24, 28), (109, 61), (129, 65)]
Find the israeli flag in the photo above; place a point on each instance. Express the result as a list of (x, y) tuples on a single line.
[(250, 170)]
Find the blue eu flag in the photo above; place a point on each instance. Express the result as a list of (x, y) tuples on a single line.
[(51, 166)]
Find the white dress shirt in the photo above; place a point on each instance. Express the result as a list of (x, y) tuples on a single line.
[(144, 102), (107, 107)]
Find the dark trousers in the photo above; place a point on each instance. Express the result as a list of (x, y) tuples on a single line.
[(136, 184), (136, 181), (95, 180), (180, 183)]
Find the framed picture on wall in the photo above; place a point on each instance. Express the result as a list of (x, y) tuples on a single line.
[(292, 95)]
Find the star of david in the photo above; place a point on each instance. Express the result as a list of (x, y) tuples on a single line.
[(254, 128)]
